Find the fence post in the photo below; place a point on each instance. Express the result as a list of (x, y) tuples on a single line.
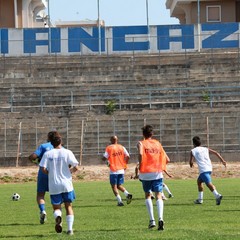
[(19, 141), (72, 99), (41, 102), (207, 130), (81, 144), (5, 137), (129, 135)]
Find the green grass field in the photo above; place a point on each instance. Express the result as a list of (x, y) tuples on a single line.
[(98, 217)]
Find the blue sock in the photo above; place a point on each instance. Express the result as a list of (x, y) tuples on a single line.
[(41, 207)]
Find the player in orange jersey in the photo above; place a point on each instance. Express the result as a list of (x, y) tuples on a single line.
[(152, 163), (117, 158)]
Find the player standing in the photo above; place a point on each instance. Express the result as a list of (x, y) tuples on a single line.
[(201, 155), (42, 178), (59, 163), (117, 157)]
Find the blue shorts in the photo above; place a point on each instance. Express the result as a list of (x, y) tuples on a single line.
[(205, 177), (57, 199), (42, 182), (116, 179), (152, 185)]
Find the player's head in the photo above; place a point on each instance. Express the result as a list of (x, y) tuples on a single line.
[(113, 139), (53, 134), (56, 141), (147, 131), (196, 141)]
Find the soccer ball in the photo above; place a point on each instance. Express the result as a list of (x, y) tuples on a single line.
[(15, 197)]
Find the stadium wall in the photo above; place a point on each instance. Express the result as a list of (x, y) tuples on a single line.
[(118, 40)]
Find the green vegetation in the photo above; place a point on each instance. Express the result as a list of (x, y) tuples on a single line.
[(110, 107), (98, 217), (206, 96)]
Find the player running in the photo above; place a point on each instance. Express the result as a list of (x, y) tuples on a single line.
[(42, 178), (117, 158), (201, 155)]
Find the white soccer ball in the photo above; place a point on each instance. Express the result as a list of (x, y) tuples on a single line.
[(15, 197)]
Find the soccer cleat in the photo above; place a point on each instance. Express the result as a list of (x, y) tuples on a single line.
[(120, 204), (170, 195), (70, 232), (152, 224), (160, 225), (43, 217), (198, 201), (164, 198), (129, 198), (58, 226), (219, 199)]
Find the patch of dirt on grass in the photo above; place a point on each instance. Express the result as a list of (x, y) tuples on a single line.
[(101, 172)]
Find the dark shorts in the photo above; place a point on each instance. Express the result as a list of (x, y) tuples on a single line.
[(152, 185), (116, 179), (42, 182)]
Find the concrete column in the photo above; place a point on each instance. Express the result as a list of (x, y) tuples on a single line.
[(16, 13)]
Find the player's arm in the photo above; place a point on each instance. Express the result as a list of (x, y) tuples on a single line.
[(169, 175), (44, 170), (139, 147), (74, 169), (191, 159), (34, 158), (105, 159), (218, 155)]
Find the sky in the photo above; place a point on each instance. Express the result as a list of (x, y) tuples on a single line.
[(113, 12)]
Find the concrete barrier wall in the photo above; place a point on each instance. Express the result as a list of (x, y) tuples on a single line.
[(118, 40)]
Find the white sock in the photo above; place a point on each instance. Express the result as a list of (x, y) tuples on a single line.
[(149, 206), (126, 192), (160, 205), (200, 195), (165, 187), (119, 199), (57, 213), (70, 220), (215, 193)]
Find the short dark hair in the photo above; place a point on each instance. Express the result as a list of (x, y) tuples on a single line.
[(52, 134), (56, 141), (147, 131), (196, 141)]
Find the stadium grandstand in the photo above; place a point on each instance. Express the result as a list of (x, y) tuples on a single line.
[(182, 83)]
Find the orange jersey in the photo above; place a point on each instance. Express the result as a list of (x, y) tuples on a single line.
[(116, 157), (153, 156)]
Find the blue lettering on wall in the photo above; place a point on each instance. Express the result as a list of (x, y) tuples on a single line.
[(55, 40), (120, 35), (78, 36), (30, 41), (4, 41), (165, 38), (217, 39)]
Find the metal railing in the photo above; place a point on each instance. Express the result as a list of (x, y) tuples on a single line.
[(88, 138)]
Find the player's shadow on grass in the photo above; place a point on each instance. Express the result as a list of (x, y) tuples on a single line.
[(17, 224), (25, 236)]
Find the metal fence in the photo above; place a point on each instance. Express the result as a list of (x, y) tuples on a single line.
[(88, 138)]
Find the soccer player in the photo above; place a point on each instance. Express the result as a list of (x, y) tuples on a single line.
[(201, 155), (59, 163), (42, 178), (152, 163), (117, 158)]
